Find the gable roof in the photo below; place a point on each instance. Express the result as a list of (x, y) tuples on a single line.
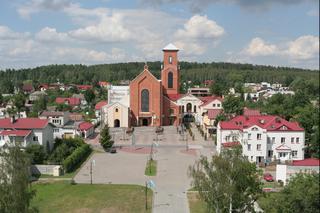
[(71, 101), (100, 104), (52, 113), (268, 122), (24, 123), (208, 99), (213, 113), (85, 126), (19, 133), (283, 147), (145, 70)]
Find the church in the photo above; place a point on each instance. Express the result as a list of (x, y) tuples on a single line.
[(152, 100)]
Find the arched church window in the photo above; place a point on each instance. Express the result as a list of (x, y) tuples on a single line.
[(145, 100), (170, 80), (189, 107)]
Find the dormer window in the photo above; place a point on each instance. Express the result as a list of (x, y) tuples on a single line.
[(170, 59)]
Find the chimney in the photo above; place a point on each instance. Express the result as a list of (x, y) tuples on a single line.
[(12, 119)]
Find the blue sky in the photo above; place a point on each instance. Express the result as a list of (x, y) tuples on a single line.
[(270, 32)]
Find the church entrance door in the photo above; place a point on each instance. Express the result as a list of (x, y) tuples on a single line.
[(145, 122)]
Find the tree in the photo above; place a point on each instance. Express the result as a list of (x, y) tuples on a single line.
[(37, 153), (15, 191), (105, 138), (220, 117), (228, 182), (232, 105), (89, 95), (1, 99), (19, 101), (300, 195)]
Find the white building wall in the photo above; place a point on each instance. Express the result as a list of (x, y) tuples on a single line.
[(119, 94)]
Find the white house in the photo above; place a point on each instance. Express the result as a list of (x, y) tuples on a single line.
[(190, 106), (28, 131), (263, 138)]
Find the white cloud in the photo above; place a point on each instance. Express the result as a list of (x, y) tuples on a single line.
[(35, 6), (198, 34), (7, 34), (258, 47), (303, 48), (49, 34), (110, 29), (313, 12)]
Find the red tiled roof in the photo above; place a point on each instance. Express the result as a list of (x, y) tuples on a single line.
[(100, 104), (103, 83), (251, 112), (174, 97), (23, 123), (71, 101), (213, 113), (230, 144), (84, 87), (208, 99), (46, 86), (307, 162), (21, 133), (85, 126), (268, 122)]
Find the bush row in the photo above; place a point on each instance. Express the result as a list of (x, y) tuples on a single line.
[(76, 158)]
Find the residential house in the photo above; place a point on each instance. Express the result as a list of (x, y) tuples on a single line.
[(27, 131), (264, 138), (98, 108), (73, 102)]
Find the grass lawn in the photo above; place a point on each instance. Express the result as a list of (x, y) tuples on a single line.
[(195, 204), (151, 168), (85, 198)]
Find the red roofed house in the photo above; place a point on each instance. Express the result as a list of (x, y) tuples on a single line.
[(84, 87), (285, 171), (69, 101), (86, 129), (264, 138), (27, 88), (103, 84), (26, 131)]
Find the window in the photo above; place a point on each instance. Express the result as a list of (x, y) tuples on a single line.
[(282, 154), (145, 100), (234, 138), (116, 110), (214, 105), (182, 108), (227, 138), (294, 153), (194, 108), (273, 140), (297, 140), (254, 129), (270, 153), (56, 130), (218, 105), (170, 80), (249, 147), (35, 138), (258, 147), (283, 140), (171, 111), (249, 136), (189, 107), (292, 140), (170, 59), (258, 136)]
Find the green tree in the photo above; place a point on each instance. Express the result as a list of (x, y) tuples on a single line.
[(105, 138), (300, 195), (232, 105), (228, 182), (19, 101), (37, 153), (1, 99), (220, 117), (15, 190), (89, 95)]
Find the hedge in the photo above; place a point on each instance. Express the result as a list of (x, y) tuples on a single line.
[(79, 155)]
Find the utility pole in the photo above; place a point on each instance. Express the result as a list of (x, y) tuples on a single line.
[(91, 172)]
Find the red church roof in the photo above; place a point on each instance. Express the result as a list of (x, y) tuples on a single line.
[(71, 101), (307, 162), (85, 126), (23, 123), (100, 104), (268, 122), (174, 97), (21, 133)]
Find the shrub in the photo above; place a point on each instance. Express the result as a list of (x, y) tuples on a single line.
[(76, 158), (37, 153)]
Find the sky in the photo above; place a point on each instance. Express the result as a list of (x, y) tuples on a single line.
[(266, 32)]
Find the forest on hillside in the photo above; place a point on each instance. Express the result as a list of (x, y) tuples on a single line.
[(229, 73)]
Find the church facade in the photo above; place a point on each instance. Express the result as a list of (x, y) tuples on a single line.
[(150, 102)]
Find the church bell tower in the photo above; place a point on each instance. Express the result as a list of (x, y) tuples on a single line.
[(170, 70)]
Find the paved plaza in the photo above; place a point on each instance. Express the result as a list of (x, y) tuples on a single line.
[(127, 166)]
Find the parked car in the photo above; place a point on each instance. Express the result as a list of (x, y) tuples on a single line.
[(113, 150), (268, 177)]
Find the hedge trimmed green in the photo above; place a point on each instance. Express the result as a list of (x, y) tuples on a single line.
[(76, 158)]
